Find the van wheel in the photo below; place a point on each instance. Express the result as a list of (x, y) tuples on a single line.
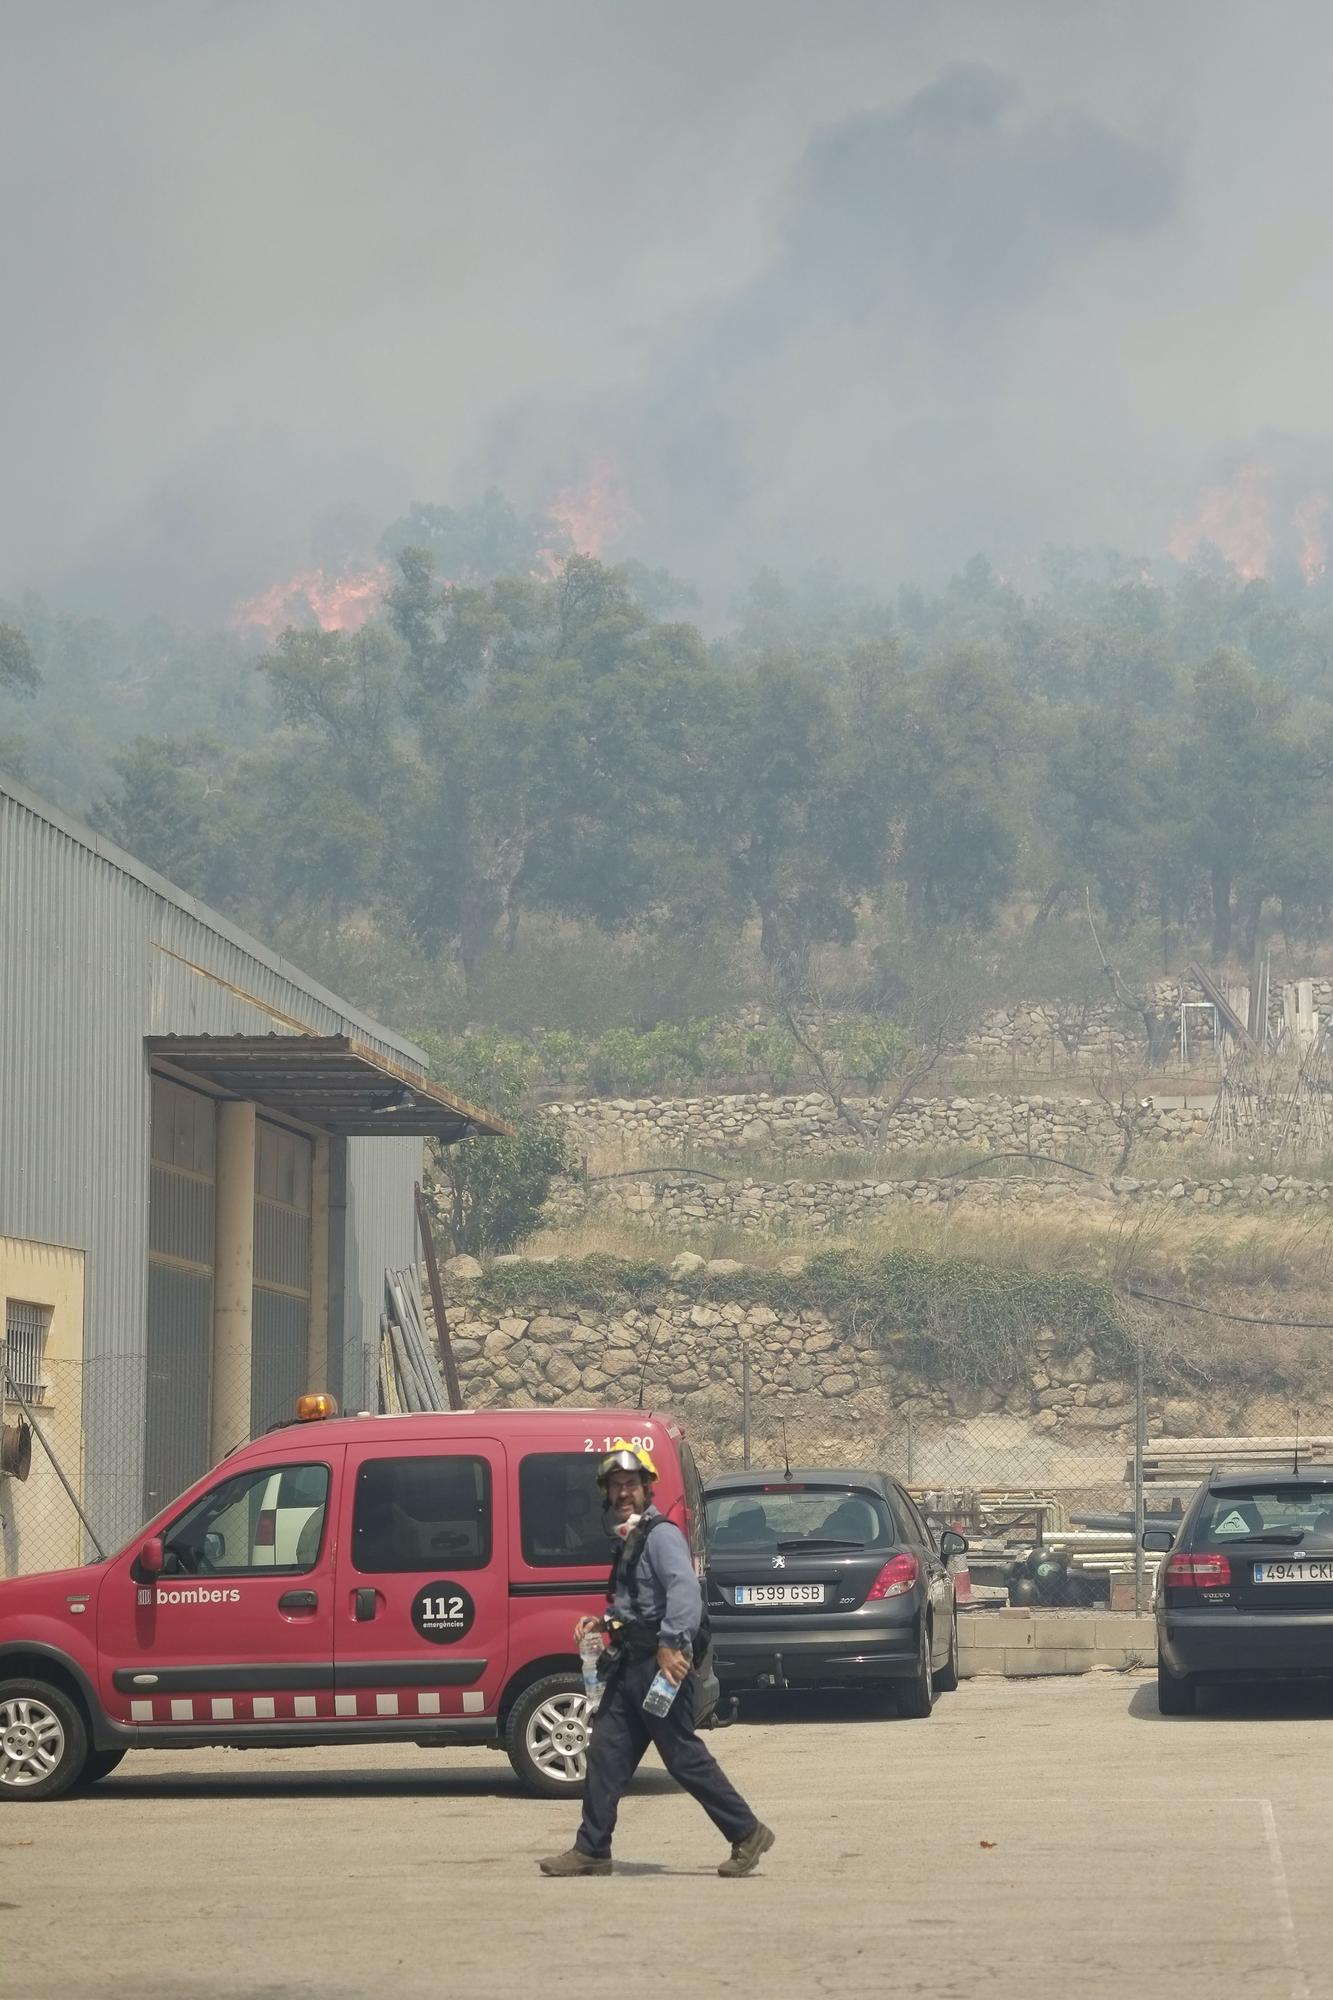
[(1174, 1697), (916, 1697), (43, 1741), (946, 1680), (546, 1737), (99, 1764)]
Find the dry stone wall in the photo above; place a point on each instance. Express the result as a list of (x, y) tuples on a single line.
[(654, 1129), (1064, 1426), (680, 1205)]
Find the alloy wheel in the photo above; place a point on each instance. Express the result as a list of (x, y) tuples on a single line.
[(557, 1737), (32, 1742)]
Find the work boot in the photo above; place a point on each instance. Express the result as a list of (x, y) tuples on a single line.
[(575, 1862), (746, 1854)]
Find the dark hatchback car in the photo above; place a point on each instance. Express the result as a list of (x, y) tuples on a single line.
[(829, 1576), (1245, 1589)]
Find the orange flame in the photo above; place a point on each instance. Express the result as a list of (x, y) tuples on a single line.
[(1236, 519), (338, 603), (1308, 520), (592, 517)]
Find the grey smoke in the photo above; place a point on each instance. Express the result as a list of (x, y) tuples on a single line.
[(876, 282)]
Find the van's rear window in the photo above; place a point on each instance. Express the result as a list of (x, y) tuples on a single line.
[(422, 1513), (560, 1512)]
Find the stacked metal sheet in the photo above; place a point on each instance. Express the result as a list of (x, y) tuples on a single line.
[(409, 1373)]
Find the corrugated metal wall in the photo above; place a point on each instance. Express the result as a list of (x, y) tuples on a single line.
[(95, 954)]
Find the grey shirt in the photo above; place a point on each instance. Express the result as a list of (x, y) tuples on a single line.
[(665, 1585)]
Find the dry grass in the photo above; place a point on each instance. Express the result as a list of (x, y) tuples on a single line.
[(1158, 1242)]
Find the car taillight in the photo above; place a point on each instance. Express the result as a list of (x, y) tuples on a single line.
[(1206, 1570), (266, 1529), (897, 1577)]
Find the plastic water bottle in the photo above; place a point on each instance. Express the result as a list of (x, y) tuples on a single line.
[(661, 1694), (590, 1652)]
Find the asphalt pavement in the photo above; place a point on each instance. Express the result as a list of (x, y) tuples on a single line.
[(1033, 1838)]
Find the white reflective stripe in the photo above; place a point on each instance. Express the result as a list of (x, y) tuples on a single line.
[(305, 1705), (182, 1711), (386, 1704), (344, 1704), (264, 1709), (224, 1708), (474, 1702), (428, 1704), (141, 1711)]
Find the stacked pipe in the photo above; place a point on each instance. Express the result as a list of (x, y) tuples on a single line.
[(409, 1375)]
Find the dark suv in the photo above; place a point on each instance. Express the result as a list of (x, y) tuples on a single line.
[(824, 1576), (1245, 1591)]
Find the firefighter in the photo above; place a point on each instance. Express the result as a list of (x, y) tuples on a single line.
[(653, 1623)]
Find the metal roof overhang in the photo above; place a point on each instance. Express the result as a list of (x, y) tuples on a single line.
[(329, 1081)]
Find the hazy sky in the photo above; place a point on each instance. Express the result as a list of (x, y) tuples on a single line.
[(885, 282)]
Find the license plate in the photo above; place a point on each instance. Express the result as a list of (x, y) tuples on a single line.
[(779, 1593), (1293, 1572)]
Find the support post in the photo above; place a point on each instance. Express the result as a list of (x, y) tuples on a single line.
[(233, 1278), (317, 1329), (745, 1401), (451, 1381), (1140, 1446)]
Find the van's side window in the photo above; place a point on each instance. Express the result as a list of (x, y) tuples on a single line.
[(271, 1518), (422, 1513), (560, 1512)]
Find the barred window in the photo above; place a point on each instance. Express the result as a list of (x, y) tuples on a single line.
[(25, 1344)]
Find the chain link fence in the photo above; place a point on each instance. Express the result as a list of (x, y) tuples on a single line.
[(41, 1462), (1052, 1480)]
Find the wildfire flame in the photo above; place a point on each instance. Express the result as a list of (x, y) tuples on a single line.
[(1236, 519), (1253, 517), (1308, 520), (338, 602), (593, 517)]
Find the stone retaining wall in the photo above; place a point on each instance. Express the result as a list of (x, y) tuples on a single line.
[(680, 1205), (654, 1128), (682, 1350)]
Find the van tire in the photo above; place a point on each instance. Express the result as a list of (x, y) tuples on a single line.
[(544, 1724), (50, 1718)]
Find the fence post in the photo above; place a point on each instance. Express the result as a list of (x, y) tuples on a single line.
[(745, 1400), (1140, 1443), (909, 1445)]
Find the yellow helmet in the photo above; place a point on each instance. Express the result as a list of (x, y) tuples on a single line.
[(625, 1457)]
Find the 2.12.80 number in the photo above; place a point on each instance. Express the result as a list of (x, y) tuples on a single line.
[(605, 1444)]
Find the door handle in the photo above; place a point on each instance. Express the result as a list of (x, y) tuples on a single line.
[(298, 1600), (364, 1606)]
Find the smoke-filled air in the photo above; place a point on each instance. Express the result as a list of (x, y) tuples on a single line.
[(577, 518)]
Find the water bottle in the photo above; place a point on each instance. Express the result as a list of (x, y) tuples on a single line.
[(661, 1694), (590, 1651)]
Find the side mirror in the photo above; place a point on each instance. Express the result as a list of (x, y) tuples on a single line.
[(215, 1548), (952, 1544), (1159, 1539), (152, 1556)]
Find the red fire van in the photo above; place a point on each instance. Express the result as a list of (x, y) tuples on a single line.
[(338, 1580)]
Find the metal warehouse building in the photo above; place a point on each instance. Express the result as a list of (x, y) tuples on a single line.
[(206, 1163)]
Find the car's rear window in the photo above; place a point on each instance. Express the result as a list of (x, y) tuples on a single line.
[(761, 1517), (1260, 1509)]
